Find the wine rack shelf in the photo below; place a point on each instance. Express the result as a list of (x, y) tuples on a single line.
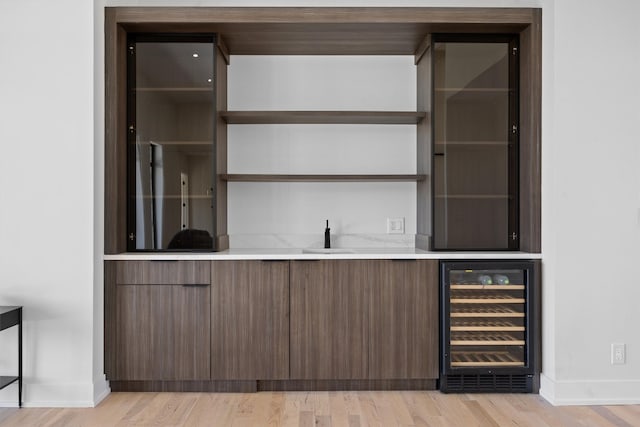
[(485, 359)]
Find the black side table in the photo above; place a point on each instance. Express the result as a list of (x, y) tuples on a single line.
[(12, 316)]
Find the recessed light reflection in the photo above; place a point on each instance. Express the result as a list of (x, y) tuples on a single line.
[(195, 55), (209, 80)]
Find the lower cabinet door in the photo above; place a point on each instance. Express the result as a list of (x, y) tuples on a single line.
[(250, 320), (404, 319), (162, 332), (329, 319)]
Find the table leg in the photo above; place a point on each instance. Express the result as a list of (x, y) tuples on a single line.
[(20, 358)]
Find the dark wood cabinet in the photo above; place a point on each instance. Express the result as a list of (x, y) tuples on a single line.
[(206, 325), (403, 340), (249, 320), (157, 330), (329, 319), (364, 319)]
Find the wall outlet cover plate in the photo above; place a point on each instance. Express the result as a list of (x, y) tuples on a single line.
[(395, 225)]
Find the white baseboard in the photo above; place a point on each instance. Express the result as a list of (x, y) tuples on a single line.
[(56, 395), (101, 390), (590, 392)]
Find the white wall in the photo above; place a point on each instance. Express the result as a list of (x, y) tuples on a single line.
[(47, 194), (591, 197), (376, 83), (51, 220)]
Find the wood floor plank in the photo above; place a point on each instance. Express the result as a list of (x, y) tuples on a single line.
[(338, 408), (306, 419), (422, 409), (497, 414), (610, 416), (290, 414), (400, 411), (517, 413), (629, 413), (335, 409)]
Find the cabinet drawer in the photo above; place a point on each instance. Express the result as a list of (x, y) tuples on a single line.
[(163, 273)]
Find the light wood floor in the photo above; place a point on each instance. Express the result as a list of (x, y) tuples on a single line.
[(368, 408)]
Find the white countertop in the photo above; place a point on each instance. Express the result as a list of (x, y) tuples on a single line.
[(297, 254)]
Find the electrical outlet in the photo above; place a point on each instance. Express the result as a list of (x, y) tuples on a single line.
[(395, 225), (618, 354)]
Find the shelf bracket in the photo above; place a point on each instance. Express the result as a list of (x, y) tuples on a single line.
[(422, 49), (222, 47)]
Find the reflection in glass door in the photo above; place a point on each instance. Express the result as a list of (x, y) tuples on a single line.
[(475, 138), (171, 113)]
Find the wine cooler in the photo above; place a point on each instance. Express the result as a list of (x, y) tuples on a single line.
[(488, 324)]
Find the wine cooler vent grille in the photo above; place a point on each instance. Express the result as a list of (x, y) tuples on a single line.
[(516, 383)]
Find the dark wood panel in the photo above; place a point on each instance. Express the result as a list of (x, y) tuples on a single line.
[(323, 117), (163, 332), (222, 239), (320, 178), (341, 385), (404, 319), (250, 320), (303, 16), (163, 272), (329, 319), (530, 134), (536, 311), (292, 31), (110, 319), (184, 386), (423, 149), (115, 207)]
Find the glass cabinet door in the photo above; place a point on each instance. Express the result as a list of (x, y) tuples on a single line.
[(171, 106), (475, 177)]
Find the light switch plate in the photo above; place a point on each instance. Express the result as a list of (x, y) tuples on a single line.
[(395, 225)]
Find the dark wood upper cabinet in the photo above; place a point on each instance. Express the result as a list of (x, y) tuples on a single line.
[(475, 142), (170, 156), (249, 320)]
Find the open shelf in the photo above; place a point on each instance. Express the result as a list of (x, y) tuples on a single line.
[(5, 381), (324, 117), (320, 178)]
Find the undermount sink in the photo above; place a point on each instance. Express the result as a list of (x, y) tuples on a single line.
[(327, 251)]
